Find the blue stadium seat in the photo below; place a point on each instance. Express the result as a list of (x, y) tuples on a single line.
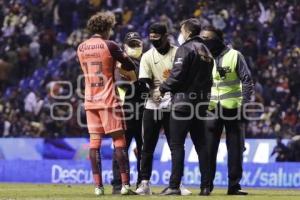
[(7, 93), (61, 37), (34, 83), (24, 84), (40, 73), (53, 63)]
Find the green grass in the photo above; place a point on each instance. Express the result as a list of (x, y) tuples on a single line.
[(85, 192)]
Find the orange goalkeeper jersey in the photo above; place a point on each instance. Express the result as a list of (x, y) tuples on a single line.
[(98, 58)]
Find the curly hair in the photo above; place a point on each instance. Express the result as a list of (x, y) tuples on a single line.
[(101, 22)]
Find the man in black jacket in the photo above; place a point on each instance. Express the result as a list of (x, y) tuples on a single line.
[(190, 82)]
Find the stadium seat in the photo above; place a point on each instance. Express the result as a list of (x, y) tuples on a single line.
[(61, 37)]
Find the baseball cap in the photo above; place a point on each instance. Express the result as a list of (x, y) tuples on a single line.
[(132, 36)]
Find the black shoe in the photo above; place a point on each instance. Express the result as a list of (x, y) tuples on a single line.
[(170, 191), (205, 192), (116, 190), (164, 190), (237, 192), (211, 188)]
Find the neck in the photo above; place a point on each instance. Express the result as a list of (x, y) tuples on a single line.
[(100, 35), (165, 49), (218, 51)]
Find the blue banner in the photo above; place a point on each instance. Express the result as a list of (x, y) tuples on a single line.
[(285, 175), (257, 151), (66, 161)]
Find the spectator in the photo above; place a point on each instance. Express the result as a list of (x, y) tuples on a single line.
[(266, 32), (32, 104), (282, 151)]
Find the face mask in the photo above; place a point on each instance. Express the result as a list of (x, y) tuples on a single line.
[(180, 39), (134, 52), (157, 43), (162, 45), (214, 45)]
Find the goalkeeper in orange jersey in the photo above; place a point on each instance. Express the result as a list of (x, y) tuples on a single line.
[(98, 56)]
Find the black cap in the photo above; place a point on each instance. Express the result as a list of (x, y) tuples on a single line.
[(158, 28), (132, 36)]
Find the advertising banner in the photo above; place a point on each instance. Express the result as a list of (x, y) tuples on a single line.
[(286, 175), (257, 151)]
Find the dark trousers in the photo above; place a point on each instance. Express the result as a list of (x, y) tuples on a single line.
[(134, 130), (153, 121), (234, 141), (179, 127)]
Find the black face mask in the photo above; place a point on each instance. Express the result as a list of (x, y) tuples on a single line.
[(215, 46), (156, 43), (162, 45)]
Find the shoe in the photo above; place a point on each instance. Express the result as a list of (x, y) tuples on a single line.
[(205, 192), (169, 191), (184, 191), (211, 188), (164, 190), (144, 188), (99, 191), (127, 191), (116, 191), (237, 192)]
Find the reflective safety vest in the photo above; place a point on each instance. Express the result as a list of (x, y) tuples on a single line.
[(122, 94), (227, 89)]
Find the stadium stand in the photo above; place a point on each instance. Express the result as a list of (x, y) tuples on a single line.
[(39, 39)]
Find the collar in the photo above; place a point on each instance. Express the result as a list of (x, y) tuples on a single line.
[(193, 38), (225, 50), (96, 36)]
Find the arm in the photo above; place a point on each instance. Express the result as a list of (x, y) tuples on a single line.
[(145, 73), (178, 72), (244, 75), (262, 17), (261, 7), (118, 54)]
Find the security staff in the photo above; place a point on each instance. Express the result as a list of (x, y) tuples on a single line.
[(131, 91), (231, 90), (190, 82)]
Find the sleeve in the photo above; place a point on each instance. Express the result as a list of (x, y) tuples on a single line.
[(145, 68), (145, 73), (178, 73), (118, 54), (244, 75)]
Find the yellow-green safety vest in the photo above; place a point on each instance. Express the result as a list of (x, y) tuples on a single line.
[(122, 93), (227, 91)]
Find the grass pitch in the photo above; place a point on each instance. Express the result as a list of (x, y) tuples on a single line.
[(85, 192)]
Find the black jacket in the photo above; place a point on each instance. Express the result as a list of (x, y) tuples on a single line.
[(190, 80)]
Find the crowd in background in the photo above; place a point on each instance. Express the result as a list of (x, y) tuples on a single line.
[(39, 39)]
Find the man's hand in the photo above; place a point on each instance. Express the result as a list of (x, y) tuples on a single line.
[(156, 96), (162, 93), (125, 74)]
